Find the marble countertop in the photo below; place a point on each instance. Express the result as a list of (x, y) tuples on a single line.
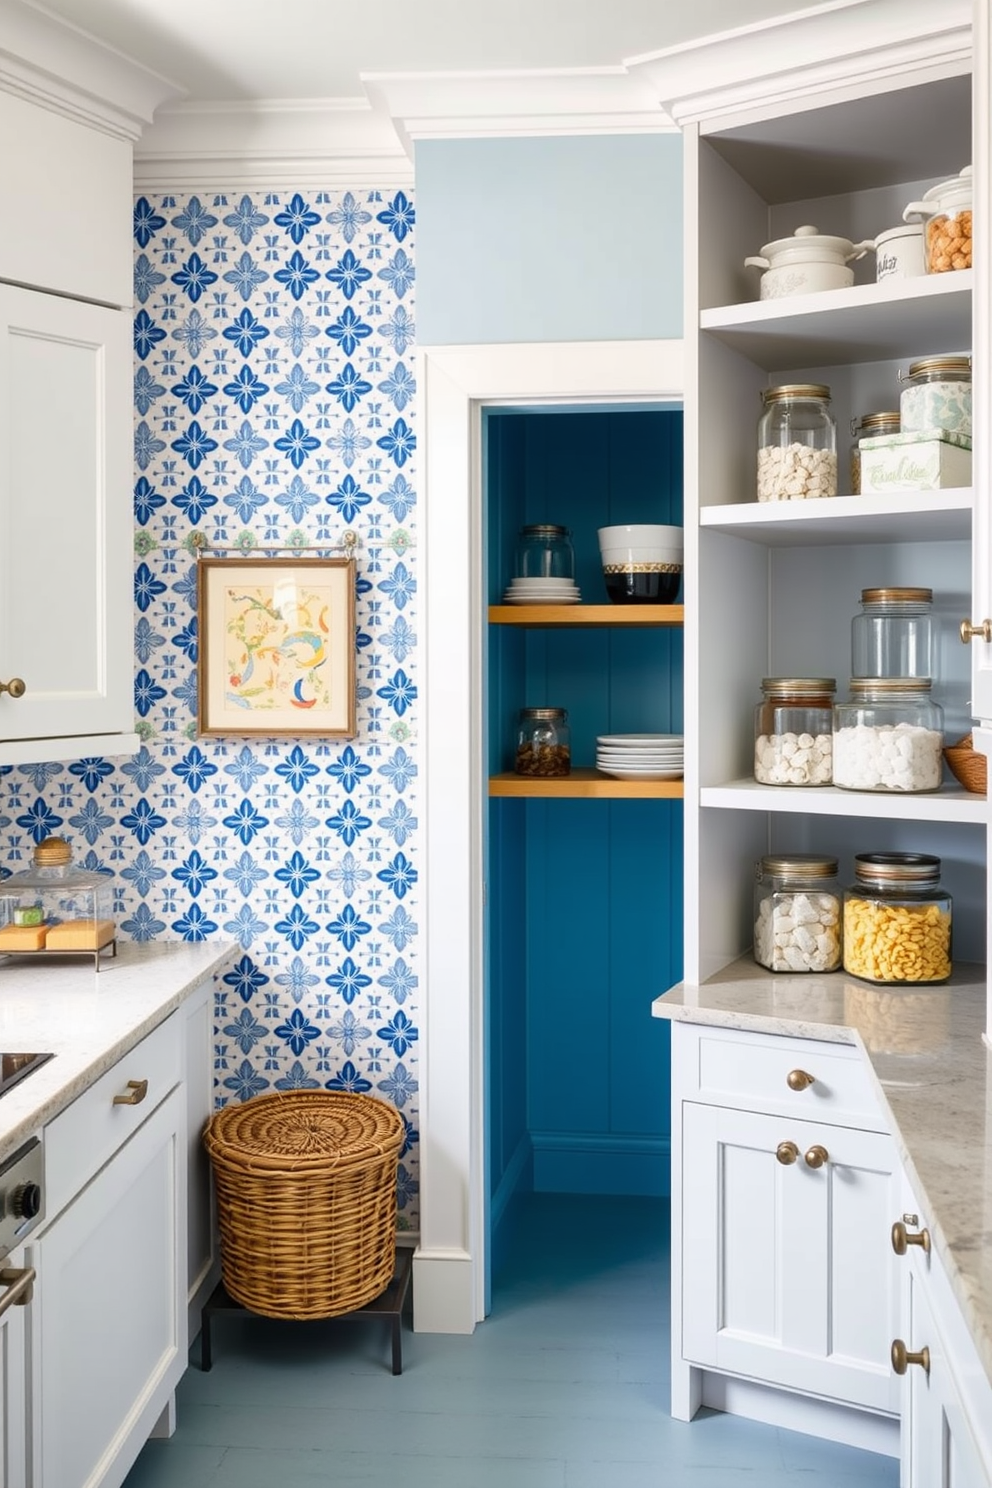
[(933, 1074), (87, 1019)]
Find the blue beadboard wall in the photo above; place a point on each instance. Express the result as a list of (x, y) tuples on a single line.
[(273, 404), (585, 897)]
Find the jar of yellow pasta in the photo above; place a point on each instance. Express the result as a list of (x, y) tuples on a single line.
[(897, 920)]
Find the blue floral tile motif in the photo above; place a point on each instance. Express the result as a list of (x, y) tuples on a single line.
[(274, 405)]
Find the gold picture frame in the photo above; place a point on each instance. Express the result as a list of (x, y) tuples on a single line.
[(277, 646)]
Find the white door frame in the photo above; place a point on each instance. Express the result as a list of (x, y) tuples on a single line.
[(455, 382)]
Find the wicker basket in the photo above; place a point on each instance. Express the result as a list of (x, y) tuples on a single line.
[(968, 766), (306, 1200)]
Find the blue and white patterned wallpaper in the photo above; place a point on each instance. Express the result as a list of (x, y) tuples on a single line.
[(273, 393)]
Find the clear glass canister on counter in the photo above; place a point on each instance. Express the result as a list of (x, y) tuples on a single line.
[(868, 426), (544, 551), (543, 748), (797, 913), (797, 443), (936, 394), (889, 736), (893, 634), (897, 919), (793, 724)]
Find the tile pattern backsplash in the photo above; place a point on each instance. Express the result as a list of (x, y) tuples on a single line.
[(273, 394)]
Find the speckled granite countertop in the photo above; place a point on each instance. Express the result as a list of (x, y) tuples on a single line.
[(87, 1019), (933, 1074)]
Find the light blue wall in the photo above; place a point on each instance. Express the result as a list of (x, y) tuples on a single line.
[(571, 239)]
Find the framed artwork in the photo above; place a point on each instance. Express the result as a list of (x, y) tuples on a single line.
[(277, 646)]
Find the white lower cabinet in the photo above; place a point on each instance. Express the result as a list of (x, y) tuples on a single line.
[(110, 1325), (15, 1327)]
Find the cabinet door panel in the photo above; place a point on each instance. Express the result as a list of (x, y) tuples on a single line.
[(65, 596), (942, 1452), (14, 1394), (112, 1323), (787, 1273)]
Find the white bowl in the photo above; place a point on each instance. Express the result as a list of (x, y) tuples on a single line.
[(640, 534)]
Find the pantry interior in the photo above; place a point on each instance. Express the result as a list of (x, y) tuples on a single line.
[(583, 895)]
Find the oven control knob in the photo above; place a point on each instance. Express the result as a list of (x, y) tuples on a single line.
[(26, 1201)]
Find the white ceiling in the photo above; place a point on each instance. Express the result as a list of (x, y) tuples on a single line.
[(230, 50)]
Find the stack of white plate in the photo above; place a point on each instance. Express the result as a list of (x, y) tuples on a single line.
[(542, 591), (640, 756)]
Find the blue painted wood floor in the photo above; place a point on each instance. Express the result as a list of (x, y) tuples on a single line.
[(564, 1386)]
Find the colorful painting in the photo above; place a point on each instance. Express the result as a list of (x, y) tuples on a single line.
[(279, 646)]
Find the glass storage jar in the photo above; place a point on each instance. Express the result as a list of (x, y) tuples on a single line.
[(892, 636), (793, 742), (897, 919), (797, 443), (543, 748), (889, 736), (946, 214), (936, 394), (868, 426), (797, 913), (55, 909), (544, 551)]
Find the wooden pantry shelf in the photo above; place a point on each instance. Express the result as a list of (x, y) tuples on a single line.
[(642, 615), (587, 785)]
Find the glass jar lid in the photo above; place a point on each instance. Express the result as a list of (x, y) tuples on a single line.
[(774, 687), (544, 529), (894, 868), (897, 596), (544, 715), (52, 867), (882, 687), (935, 368), (796, 390), (876, 423), (795, 865)]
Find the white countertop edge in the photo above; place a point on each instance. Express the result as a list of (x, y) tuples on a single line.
[(88, 1019), (952, 1239)]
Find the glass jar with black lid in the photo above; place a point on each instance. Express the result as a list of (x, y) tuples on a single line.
[(897, 919)]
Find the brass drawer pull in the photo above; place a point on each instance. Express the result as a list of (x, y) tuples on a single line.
[(970, 630), (20, 1287), (798, 1079), (137, 1090), (816, 1156), (902, 1357), (786, 1152), (15, 687), (901, 1238)]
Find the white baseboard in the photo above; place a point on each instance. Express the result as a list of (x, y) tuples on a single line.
[(443, 1292)]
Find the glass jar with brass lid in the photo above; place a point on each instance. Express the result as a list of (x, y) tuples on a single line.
[(893, 634), (543, 743), (793, 743), (889, 736), (897, 919), (544, 551), (936, 394), (797, 443), (868, 426), (797, 913)]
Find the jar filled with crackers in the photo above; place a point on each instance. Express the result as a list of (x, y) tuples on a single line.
[(897, 920), (946, 214), (544, 749)]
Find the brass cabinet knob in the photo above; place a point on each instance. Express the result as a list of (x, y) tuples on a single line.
[(137, 1090), (901, 1238), (902, 1357), (15, 687), (969, 631), (815, 1156), (786, 1152), (798, 1079)]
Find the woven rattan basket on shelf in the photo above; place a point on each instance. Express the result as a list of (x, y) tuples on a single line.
[(306, 1200), (968, 766)]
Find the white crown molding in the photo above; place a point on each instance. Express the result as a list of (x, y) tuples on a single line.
[(547, 101), (807, 56), (271, 142), (50, 62)]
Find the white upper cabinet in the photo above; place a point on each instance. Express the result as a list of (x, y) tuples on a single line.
[(981, 601)]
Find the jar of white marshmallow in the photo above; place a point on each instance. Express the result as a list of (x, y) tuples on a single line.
[(793, 731), (797, 443), (889, 736), (797, 913)]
